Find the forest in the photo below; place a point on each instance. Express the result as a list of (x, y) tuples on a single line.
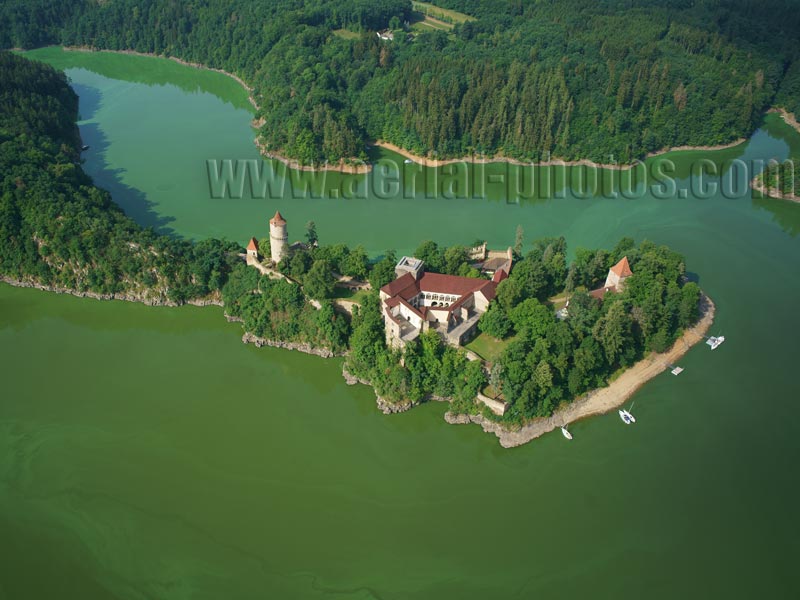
[(525, 79), (58, 229)]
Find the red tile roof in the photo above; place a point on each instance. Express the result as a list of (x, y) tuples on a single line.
[(490, 291), (253, 245), (600, 293), (499, 275), (277, 219), (406, 287), (399, 285), (437, 283), (622, 268)]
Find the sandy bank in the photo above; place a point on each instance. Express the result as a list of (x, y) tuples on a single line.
[(790, 118), (605, 399), (756, 184), (483, 160)]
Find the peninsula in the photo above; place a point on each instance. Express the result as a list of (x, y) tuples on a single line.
[(519, 342), (508, 336)]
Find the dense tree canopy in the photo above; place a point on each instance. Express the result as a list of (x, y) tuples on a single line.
[(571, 78), (548, 361), (57, 228)]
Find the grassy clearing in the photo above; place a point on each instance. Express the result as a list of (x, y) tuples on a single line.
[(442, 14), (427, 25), (346, 34), (348, 294), (487, 347)]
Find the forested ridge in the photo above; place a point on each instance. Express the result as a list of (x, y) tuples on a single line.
[(526, 79), (58, 229)]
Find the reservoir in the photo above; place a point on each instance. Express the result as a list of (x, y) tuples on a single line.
[(146, 453)]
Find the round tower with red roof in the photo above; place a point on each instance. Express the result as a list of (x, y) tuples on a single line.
[(278, 237)]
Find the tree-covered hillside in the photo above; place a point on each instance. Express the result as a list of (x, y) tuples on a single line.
[(575, 78), (57, 228)]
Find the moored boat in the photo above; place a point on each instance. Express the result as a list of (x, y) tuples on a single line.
[(566, 433), (626, 416)]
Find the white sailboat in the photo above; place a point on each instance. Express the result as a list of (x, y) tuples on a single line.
[(626, 416), (566, 433)]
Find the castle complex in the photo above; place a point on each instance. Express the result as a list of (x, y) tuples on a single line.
[(418, 301)]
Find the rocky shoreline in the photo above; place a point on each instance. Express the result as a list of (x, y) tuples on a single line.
[(159, 300), (385, 406), (259, 342)]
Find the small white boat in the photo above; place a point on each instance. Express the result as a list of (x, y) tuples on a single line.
[(566, 433), (408, 161), (715, 342), (626, 417)]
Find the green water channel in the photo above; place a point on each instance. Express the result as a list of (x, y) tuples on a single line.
[(147, 453)]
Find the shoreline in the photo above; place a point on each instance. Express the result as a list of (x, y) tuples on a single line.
[(602, 400), (355, 166), (757, 184), (595, 402), (789, 118), (180, 61), (126, 296), (555, 162), (304, 347)]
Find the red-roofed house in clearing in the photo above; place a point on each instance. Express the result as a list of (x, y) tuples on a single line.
[(417, 301), (615, 281)]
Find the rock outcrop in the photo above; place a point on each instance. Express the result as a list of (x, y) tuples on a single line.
[(258, 342)]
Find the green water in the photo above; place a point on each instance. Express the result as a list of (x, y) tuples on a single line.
[(147, 453)]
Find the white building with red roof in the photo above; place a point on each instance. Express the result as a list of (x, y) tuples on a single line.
[(615, 281), (252, 249), (417, 301)]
